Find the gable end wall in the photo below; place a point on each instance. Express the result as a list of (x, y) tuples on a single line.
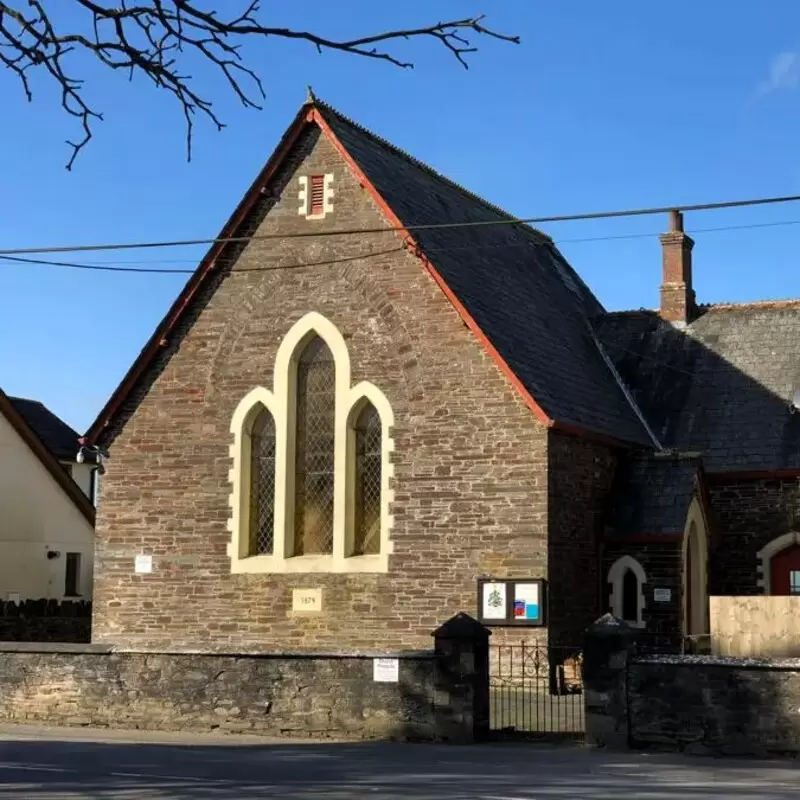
[(470, 460)]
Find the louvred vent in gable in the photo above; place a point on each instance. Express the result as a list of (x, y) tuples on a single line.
[(317, 194)]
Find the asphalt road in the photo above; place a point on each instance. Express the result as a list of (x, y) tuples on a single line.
[(38, 764)]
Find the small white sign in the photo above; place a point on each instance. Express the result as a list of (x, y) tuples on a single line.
[(306, 599), (143, 563), (13, 597), (662, 595), (385, 670)]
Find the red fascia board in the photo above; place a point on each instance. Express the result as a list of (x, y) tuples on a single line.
[(161, 336), (468, 320), (713, 478)]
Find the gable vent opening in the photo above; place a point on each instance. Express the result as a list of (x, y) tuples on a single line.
[(317, 194)]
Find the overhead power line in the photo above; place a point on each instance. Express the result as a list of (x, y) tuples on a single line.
[(638, 212), (116, 266)]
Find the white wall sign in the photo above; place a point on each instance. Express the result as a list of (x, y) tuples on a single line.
[(385, 670), (143, 563), (662, 595), (306, 599)]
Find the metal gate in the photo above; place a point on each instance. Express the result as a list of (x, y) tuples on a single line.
[(536, 691)]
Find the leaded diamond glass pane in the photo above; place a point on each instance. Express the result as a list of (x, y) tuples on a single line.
[(366, 536), (314, 470), (262, 484)]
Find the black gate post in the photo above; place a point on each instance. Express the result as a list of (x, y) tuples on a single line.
[(605, 663), (462, 680)]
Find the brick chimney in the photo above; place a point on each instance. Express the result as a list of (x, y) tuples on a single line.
[(677, 294)]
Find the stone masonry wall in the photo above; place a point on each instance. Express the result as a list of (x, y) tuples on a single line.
[(580, 475), (722, 706), (470, 476), (747, 514), (276, 696)]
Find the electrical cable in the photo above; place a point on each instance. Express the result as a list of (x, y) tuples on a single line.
[(111, 266), (407, 228)]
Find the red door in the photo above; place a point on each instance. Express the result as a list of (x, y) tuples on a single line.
[(785, 569)]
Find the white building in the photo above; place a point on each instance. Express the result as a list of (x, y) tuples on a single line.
[(46, 506)]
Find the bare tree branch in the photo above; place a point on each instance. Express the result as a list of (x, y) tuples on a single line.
[(151, 37)]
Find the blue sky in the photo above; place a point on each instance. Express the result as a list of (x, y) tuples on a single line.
[(604, 105)]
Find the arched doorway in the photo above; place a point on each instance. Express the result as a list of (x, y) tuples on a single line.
[(695, 574), (779, 565), (785, 571)]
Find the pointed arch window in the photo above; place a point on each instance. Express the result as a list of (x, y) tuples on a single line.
[(627, 579), (630, 596), (311, 483), (314, 450), (367, 482), (262, 484)]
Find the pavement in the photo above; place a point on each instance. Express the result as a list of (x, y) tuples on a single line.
[(45, 764)]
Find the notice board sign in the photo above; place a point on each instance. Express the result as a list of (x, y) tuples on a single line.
[(517, 602)]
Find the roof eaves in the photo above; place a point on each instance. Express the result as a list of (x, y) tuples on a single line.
[(196, 280)]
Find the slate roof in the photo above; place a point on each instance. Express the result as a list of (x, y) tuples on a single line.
[(524, 296), (721, 386), (58, 437), (651, 496)]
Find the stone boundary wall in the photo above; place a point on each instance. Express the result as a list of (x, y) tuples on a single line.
[(316, 696), (441, 694), (714, 705), (46, 621), (690, 703)]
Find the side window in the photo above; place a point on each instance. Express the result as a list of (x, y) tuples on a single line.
[(367, 488), (626, 601), (262, 484)]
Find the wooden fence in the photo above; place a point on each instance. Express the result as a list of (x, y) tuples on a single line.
[(767, 627)]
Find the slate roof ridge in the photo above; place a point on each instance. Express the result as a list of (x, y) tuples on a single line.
[(753, 304), (547, 241), (60, 438), (16, 398), (430, 170), (628, 312)]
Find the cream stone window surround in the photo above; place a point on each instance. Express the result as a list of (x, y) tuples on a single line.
[(765, 555), (616, 576), (695, 536), (281, 402)]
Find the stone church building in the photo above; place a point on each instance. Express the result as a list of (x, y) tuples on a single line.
[(377, 391)]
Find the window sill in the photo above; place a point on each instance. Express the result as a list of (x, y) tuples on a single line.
[(309, 564)]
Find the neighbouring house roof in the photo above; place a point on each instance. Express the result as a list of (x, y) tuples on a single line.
[(514, 290), (48, 459), (651, 495), (721, 386), (59, 438)]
